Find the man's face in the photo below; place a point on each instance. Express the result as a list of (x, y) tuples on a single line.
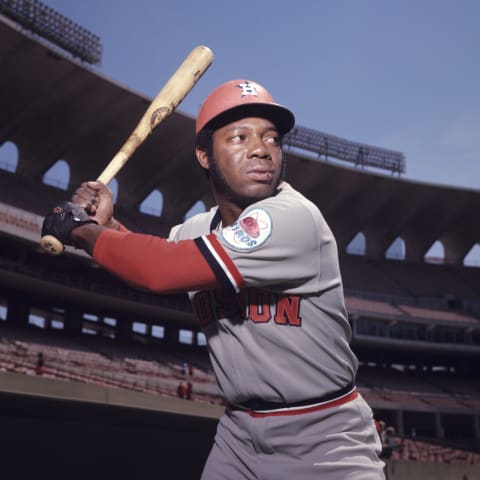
[(246, 161)]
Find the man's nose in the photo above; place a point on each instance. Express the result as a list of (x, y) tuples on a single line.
[(258, 148)]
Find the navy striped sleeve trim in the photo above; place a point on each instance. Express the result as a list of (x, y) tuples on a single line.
[(222, 265)]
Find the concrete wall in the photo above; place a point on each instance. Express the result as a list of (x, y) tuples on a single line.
[(430, 471), (63, 430), (52, 429)]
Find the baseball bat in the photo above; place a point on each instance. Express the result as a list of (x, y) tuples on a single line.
[(163, 105)]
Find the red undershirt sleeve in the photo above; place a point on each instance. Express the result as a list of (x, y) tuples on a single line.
[(155, 263)]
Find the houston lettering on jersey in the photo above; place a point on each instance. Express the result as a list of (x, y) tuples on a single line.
[(254, 304)]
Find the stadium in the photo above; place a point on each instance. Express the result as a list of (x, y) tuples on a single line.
[(125, 385)]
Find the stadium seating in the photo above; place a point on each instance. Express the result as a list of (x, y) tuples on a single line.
[(158, 376), (67, 361), (412, 450)]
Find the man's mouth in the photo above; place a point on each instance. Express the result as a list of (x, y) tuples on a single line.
[(260, 174)]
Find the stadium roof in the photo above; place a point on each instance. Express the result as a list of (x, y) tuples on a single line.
[(56, 108)]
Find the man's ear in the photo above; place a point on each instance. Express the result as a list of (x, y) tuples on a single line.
[(202, 157)]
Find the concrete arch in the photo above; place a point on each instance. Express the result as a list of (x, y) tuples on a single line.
[(58, 175), (197, 207), (9, 157), (113, 186), (436, 253), (152, 203), (358, 245), (396, 250), (472, 258)]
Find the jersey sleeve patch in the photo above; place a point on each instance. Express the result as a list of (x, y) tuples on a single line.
[(251, 230)]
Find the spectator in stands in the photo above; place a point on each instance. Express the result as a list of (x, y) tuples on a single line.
[(40, 364), (389, 440), (262, 271), (189, 392), (182, 390), (380, 426), (386, 447)]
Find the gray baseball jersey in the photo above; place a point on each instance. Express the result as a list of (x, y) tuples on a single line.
[(279, 329)]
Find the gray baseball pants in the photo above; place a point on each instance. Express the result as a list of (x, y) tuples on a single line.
[(338, 443)]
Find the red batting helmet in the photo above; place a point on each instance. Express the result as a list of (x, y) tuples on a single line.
[(239, 98)]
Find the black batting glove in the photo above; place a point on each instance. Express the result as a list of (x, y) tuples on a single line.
[(63, 219)]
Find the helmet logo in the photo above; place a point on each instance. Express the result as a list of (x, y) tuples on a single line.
[(247, 89)]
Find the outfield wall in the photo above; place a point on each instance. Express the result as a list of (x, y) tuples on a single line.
[(54, 429), (397, 470)]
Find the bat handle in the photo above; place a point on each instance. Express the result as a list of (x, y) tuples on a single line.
[(52, 245)]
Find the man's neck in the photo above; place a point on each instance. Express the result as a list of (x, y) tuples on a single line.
[(229, 214), (230, 211)]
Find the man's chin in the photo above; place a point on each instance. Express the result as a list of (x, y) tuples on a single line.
[(256, 194)]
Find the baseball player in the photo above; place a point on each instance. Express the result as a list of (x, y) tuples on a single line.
[(262, 273)]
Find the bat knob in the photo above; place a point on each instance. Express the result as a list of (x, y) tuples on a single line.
[(51, 245)]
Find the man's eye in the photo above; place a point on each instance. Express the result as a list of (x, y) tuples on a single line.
[(273, 140)]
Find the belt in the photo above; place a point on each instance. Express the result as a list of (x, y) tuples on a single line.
[(262, 408)]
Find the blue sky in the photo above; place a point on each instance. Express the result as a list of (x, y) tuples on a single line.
[(403, 75)]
